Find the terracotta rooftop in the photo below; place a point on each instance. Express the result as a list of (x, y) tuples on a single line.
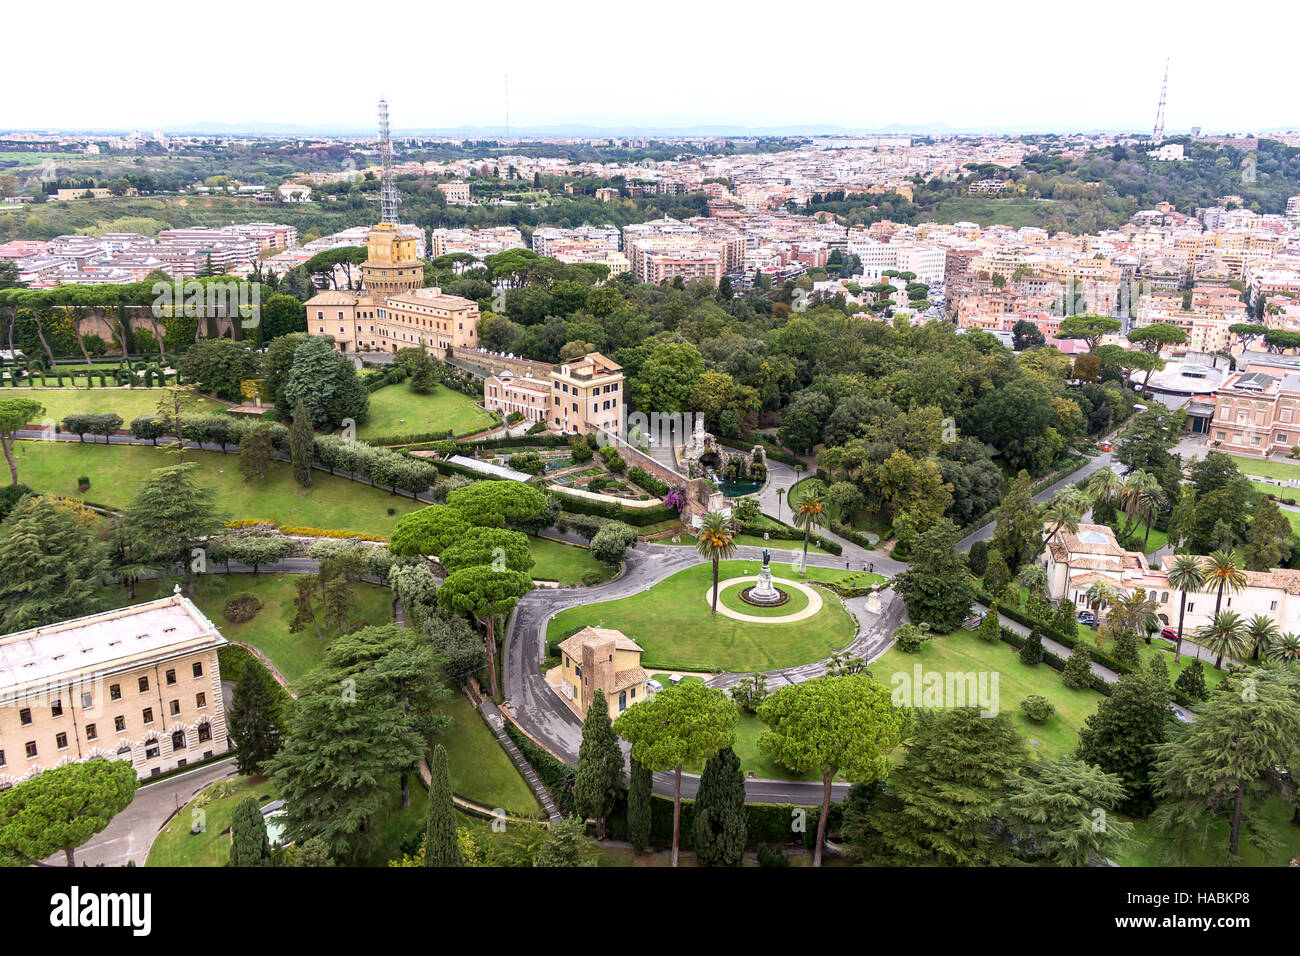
[(574, 644)]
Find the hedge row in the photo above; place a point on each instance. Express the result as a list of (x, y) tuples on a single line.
[(649, 482), (637, 517), (556, 777), (1055, 661), (764, 822), (786, 533), (1096, 654)]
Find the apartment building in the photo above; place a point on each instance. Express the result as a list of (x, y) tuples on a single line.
[(508, 393), (456, 193), (577, 397), (140, 683)]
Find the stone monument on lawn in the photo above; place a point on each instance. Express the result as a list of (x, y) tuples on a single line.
[(765, 592)]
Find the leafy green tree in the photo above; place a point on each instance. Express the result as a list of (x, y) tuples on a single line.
[(1225, 764), (427, 531), (497, 504), (249, 844), (1121, 736), (1189, 687), (61, 808), (1090, 328), (678, 726), (1061, 812), (720, 827), (996, 574), (302, 445), (990, 629), (256, 722), (441, 846), (1066, 621), (486, 594), (832, 725), (171, 515), (14, 414), (936, 587), (1019, 529), (1077, 672), (599, 778), (502, 549), (1032, 651), (566, 845), (256, 452), (52, 566), (639, 807), (1268, 541), (945, 793), (218, 366), (326, 384)]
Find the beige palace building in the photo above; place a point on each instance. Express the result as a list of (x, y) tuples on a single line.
[(140, 683), (394, 311)]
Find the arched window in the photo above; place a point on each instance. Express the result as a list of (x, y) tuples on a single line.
[(178, 740)]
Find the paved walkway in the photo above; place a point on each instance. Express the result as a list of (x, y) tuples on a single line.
[(497, 723), (814, 601)]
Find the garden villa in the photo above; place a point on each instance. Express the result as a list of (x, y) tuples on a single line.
[(601, 658)]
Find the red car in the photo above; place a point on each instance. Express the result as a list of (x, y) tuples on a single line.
[(1169, 634), (1104, 446)]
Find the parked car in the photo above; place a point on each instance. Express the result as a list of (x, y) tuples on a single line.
[(1086, 618), (1105, 446), (1169, 634), (973, 621)]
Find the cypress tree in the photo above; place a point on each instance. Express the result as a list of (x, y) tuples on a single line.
[(1066, 621), (1126, 648), (720, 811), (441, 848), (249, 844), (1078, 668), (255, 720), (638, 807), (1190, 685), (990, 628), (600, 765), (302, 445), (1032, 652)]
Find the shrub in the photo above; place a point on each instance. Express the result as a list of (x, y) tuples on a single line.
[(613, 460), (910, 638), (1189, 688), (643, 479), (592, 578), (83, 482), (990, 629), (1078, 668), (1037, 708), (772, 857), (241, 608), (1032, 652)]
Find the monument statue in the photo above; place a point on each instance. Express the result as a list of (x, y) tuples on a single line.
[(764, 591)]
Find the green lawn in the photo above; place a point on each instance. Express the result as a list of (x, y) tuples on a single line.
[(127, 402), (752, 541), (565, 563), (396, 410), (730, 597), (1149, 847), (962, 652), (1281, 468), (117, 472), (480, 770), (292, 654), (175, 846), (673, 624)]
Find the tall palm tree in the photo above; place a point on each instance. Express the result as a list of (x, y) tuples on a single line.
[(1261, 631), (1099, 595), (1033, 579), (1285, 650), (1223, 573), (1065, 510), (1150, 502), (780, 496), (716, 541), (1225, 636), (809, 513), (1137, 484), (1185, 574)]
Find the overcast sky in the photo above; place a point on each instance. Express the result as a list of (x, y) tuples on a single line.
[(675, 62)]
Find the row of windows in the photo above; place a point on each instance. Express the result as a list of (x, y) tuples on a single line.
[(598, 390), (151, 749), (119, 722)]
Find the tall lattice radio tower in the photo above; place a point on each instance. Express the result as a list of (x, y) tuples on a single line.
[(1158, 132), (388, 200)]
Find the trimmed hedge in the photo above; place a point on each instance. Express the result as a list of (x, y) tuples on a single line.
[(1096, 654), (556, 777), (649, 482), (637, 517), (764, 822)]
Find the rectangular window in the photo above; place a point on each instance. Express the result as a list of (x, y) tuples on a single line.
[(119, 724), (56, 709), (201, 700), (61, 741), (198, 668), (91, 732), (144, 684), (2, 758), (1190, 606), (87, 700), (171, 677), (175, 707), (205, 733), (151, 750), (25, 716), (31, 749), (147, 714)]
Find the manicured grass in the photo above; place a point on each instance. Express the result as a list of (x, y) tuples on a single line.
[(292, 654), (1280, 468), (760, 765), (117, 472), (673, 624), (558, 561), (127, 402), (962, 652), (480, 770), (730, 597), (1148, 847), (175, 846), (438, 411)]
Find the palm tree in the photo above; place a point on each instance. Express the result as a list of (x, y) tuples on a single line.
[(1150, 502), (1103, 485), (1136, 486), (1186, 575), (809, 513), (716, 541), (1065, 510), (1285, 649), (1099, 595), (780, 494), (1261, 631), (1221, 572), (1134, 613), (1033, 579), (1225, 636)]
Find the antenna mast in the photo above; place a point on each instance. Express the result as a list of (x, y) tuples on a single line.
[(387, 194), (1158, 133)]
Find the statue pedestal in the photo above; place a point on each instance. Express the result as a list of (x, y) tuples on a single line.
[(764, 592), (873, 603)]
